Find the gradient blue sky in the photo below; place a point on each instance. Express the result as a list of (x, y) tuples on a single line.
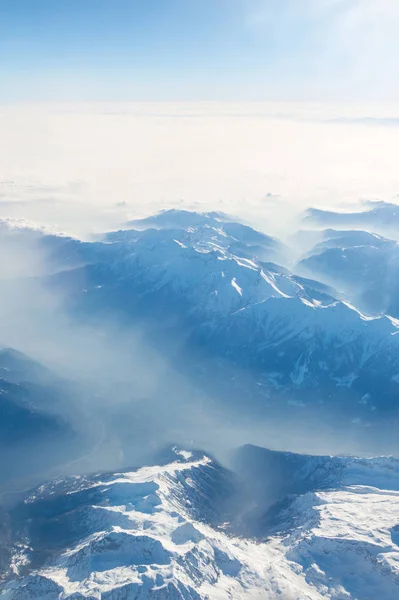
[(199, 49)]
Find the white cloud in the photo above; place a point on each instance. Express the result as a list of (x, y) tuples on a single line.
[(332, 48), (77, 167)]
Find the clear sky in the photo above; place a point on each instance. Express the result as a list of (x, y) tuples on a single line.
[(199, 49)]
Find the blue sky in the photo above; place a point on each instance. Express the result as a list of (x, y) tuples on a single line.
[(199, 49)]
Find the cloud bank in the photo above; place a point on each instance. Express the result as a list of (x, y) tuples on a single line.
[(85, 169)]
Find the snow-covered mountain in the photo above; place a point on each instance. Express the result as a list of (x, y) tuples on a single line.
[(364, 266), (219, 267), (213, 290), (232, 234), (172, 531), (207, 292), (250, 340), (375, 216)]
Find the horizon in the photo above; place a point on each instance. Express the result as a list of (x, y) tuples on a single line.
[(87, 167)]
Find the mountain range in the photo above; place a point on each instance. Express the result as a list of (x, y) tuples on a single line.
[(210, 293), (238, 336), (175, 530)]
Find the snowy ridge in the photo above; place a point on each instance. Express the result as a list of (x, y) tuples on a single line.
[(347, 545), (364, 266), (201, 254), (216, 274), (217, 285), (159, 532), (291, 332), (149, 537)]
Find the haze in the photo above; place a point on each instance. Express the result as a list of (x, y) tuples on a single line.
[(88, 168)]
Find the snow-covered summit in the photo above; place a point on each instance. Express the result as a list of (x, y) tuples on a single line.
[(169, 532), (203, 231)]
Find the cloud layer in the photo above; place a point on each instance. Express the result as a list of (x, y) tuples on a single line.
[(84, 169)]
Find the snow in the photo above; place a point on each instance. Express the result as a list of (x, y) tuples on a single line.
[(210, 264), (347, 549), (244, 305), (149, 535), (180, 244), (300, 371), (162, 549), (271, 281), (184, 453), (236, 286)]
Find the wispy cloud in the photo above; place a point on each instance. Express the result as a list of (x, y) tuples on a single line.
[(344, 48)]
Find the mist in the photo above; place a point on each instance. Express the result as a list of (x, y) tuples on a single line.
[(89, 168)]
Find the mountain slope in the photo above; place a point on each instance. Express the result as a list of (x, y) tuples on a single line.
[(245, 330), (364, 266), (377, 216), (212, 296), (36, 428), (169, 532)]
